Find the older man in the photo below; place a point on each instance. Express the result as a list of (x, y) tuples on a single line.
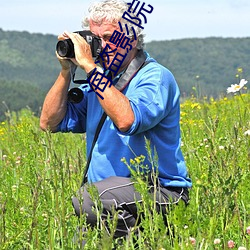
[(142, 103)]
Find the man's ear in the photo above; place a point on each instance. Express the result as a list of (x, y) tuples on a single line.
[(134, 43)]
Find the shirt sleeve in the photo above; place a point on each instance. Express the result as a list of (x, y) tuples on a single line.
[(75, 117), (153, 97)]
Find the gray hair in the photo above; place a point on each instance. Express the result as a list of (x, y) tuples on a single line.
[(112, 11)]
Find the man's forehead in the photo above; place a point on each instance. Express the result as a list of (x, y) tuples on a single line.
[(103, 27), (102, 23)]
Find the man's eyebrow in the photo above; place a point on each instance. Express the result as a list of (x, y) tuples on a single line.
[(107, 33)]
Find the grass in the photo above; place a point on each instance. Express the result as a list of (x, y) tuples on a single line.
[(40, 172)]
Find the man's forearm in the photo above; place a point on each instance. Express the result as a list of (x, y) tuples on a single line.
[(55, 103), (117, 107)]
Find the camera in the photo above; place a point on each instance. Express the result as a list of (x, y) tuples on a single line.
[(65, 48)]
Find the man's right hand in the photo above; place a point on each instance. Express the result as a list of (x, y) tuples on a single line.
[(66, 63), (83, 55)]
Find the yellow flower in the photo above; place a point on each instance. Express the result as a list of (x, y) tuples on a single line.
[(132, 162), (195, 105), (240, 70), (138, 160)]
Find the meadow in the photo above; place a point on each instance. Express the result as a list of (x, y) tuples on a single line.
[(40, 172)]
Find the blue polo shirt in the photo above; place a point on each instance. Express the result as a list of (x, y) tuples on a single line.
[(154, 97)]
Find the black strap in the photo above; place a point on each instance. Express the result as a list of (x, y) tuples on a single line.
[(97, 132), (137, 63)]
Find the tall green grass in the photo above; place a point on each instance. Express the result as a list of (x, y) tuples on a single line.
[(40, 172)]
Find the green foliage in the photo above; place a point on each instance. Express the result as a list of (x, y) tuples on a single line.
[(40, 172), (14, 95), (26, 57)]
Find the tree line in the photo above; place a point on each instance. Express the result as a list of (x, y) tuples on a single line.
[(202, 67)]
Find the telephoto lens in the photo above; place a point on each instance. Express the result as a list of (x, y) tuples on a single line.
[(65, 48)]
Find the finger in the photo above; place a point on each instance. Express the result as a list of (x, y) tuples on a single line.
[(75, 37), (63, 36), (69, 34)]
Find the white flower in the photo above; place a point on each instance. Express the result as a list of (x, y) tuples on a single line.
[(242, 248), (22, 210), (217, 241), (221, 147), (247, 133), (192, 240), (248, 230), (237, 87)]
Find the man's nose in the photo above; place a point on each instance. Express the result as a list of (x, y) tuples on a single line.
[(104, 43)]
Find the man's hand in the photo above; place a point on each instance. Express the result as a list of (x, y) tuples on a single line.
[(66, 63), (83, 54)]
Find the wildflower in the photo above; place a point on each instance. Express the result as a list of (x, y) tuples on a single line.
[(230, 244), (247, 133), (198, 182), (14, 188), (137, 159), (242, 248), (216, 241), (237, 87), (192, 240), (221, 147), (248, 230), (195, 106), (45, 216), (22, 210), (240, 70), (132, 162)]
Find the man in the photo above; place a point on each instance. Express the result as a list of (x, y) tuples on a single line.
[(141, 104)]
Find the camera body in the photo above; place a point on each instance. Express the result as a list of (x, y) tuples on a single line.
[(65, 48)]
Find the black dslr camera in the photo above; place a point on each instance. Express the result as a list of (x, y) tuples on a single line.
[(65, 48)]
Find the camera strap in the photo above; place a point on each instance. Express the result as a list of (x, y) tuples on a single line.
[(136, 64)]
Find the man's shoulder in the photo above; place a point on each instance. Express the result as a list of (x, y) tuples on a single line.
[(154, 63), (154, 69)]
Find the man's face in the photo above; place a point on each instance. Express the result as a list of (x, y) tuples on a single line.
[(105, 31)]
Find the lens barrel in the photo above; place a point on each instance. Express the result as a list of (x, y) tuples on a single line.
[(65, 48)]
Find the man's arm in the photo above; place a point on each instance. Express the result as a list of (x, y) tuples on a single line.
[(55, 103), (115, 104), (118, 108)]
